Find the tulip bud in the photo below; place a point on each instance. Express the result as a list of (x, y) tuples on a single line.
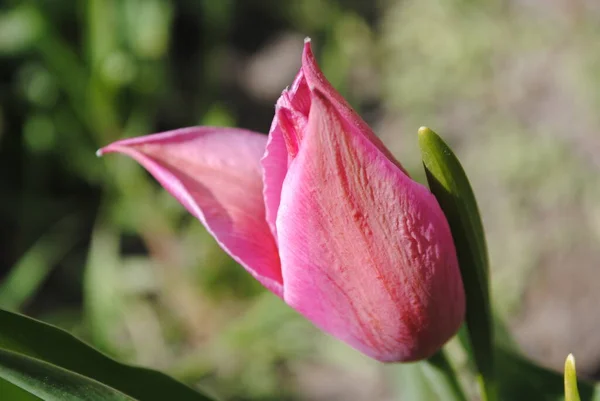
[(324, 216)]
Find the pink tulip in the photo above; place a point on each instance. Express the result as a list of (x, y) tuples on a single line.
[(321, 214)]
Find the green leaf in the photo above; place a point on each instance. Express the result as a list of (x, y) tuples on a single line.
[(51, 383), (571, 392), (448, 182), (47, 344), (522, 380), (14, 393)]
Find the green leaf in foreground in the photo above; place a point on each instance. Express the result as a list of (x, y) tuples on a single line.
[(571, 392), (47, 344), (448, 182), (51, 383), (14, 393)]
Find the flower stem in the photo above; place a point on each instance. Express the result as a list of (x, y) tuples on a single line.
[(446, 374)]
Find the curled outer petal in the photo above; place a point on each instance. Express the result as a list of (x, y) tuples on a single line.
[(215, 173)]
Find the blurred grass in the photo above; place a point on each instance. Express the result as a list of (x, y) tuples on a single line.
[(108, 254)]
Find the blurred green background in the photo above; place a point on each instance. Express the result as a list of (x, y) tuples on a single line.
[(96, 247)]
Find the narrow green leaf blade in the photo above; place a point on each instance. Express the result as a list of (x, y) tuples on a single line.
[(571, 392), (448, 182), (51, 383), (14, 393), (29, 337)]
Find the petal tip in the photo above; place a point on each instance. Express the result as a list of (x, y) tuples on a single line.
[(307, 54), (100, 153)]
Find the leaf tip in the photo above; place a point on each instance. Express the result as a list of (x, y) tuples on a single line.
[(424, 131), (571, 391)]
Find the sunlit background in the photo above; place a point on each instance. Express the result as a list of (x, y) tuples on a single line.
[(97, 247)]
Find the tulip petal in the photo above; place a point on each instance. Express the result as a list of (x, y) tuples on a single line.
[(274, 164), (366, 252), (215, 173), (317, 81), (278, 155)]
